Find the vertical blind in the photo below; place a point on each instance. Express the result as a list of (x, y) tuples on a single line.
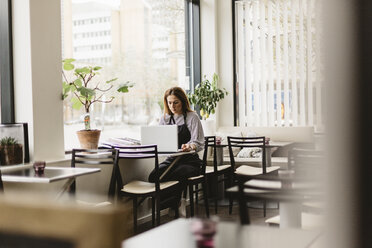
[(278, 63)]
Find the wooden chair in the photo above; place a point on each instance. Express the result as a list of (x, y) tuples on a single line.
[(247, 170), (193, 184), (218, 173), (100, 187), (137, 189)]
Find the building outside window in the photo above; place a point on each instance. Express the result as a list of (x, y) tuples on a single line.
[(134, 40)]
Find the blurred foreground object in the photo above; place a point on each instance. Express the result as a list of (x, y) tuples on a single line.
[(30, 222)]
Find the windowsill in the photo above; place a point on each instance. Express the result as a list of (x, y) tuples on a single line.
[(64, 162)]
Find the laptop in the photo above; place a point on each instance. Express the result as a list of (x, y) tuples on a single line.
[(165, 136)]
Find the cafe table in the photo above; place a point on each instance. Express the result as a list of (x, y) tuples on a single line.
[(178, 234), (268, 151), (25, 174)]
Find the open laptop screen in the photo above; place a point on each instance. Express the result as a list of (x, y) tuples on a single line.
[(165, 136)]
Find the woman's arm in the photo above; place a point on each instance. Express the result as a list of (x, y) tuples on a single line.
[(196, 130), (162, 121)]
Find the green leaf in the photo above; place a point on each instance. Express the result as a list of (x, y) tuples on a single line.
[(123, 89), (111, 80), (69, 60), (78, 82), (83, 70), (68, 66), (76, 104), (86, 92), (96, 68), (66, 88)]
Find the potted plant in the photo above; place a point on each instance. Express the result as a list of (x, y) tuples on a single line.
[(84, 92), (206, 96), (11, 151)]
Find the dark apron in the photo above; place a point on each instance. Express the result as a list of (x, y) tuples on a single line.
[(187, 166)]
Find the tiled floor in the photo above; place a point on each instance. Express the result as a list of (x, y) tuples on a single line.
[(256, 215)]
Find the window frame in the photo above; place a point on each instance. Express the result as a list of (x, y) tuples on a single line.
[(235, 78), (192, 42), (6, 63)]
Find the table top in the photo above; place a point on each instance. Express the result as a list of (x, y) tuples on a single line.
[(177, 233), (173, 154), (16, 167), (26, 174)]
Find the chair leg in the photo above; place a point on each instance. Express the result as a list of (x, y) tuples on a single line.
[(157, 203), (135, 214), (264, 208), (176, 212), (205, 193), (230, 197), (216, 196), (196, 194), (191, 195), (153, 211), (243, 210), (230, 204)]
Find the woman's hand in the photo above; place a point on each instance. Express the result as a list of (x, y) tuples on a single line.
[(187, 147)]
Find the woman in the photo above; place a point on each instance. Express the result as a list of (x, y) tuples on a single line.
[(177, 111)]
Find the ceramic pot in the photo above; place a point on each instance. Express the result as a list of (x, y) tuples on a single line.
[(89, 138), (11, 154), (209, 127)]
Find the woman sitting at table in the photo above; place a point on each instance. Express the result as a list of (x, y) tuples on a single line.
[(177, 111)]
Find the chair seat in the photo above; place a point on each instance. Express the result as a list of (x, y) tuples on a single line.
[(254, 171), (195, 178), (235, 190), (91, 204), (141, 187), (210, 169)]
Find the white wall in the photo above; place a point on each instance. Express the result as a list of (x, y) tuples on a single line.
[(37, 75), (217, 52)]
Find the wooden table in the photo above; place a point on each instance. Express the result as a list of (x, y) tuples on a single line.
[(268, 147), (178, 234)]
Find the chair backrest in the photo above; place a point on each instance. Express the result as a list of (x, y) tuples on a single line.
[(100, 184), (247, 142), (140, 152), (209, 143)]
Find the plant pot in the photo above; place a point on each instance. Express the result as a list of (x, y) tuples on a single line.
[(89, 138), (209, 127), (11, 154)]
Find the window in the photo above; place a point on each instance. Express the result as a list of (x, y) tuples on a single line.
[(139, 46), (277, 63), (6, 64)]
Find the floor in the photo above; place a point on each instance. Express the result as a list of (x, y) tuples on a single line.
[(256, 215)]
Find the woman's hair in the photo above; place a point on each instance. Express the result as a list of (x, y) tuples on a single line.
[(180, 94)]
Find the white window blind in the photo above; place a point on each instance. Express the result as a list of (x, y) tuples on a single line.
[(277, 63)]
